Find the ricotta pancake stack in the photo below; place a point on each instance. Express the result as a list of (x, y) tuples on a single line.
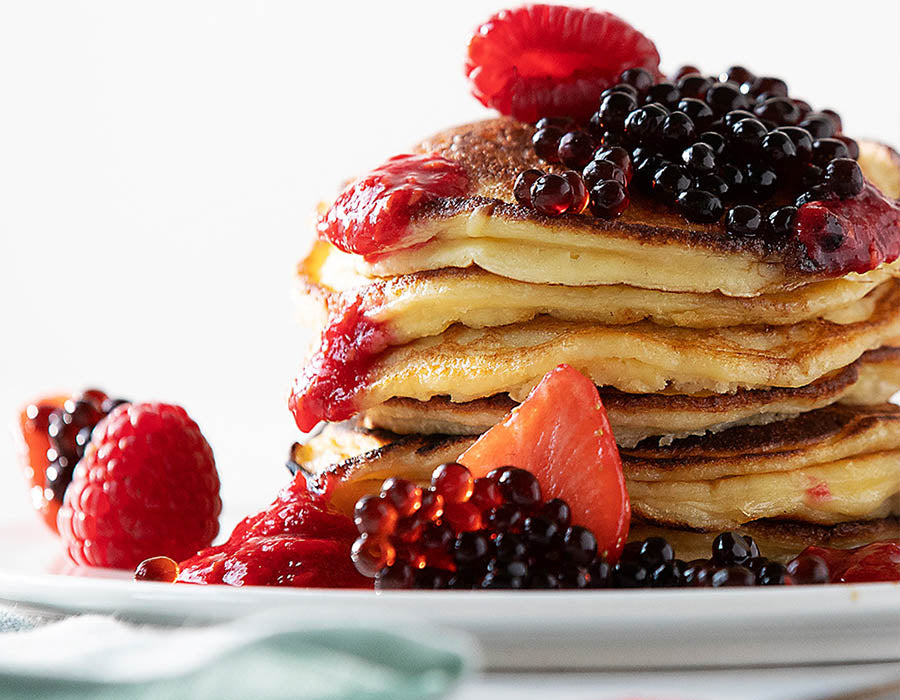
[(747, 379)]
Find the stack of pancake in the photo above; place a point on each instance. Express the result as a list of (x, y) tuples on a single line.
[(745, 390)]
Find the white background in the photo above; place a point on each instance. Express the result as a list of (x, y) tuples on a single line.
[(159, 163)]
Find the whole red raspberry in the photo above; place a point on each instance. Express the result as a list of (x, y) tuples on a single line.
[(147, 485)]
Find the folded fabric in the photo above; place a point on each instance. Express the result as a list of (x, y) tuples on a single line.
[(276, 654)]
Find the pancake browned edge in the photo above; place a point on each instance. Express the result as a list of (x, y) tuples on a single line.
[(872, 379), (844, 449)]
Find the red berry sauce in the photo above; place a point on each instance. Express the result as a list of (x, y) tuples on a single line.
[(329, 381), (879, 561), (850, 235), (298, 541), (372, 215)]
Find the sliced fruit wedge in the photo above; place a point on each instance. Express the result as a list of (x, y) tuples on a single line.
[(561, 434)]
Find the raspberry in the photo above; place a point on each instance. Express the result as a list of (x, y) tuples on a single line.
[(543, 60), (147, 485)]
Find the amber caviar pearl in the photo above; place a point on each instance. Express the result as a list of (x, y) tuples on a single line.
[(405, 496), (453, 481), (522, 188), (576, 149), (162, 569), (580, 196), (618, 156), (372, 554), (599, 170), (551, 195), (375, 515)]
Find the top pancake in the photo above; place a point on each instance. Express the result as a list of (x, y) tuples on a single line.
[(649, 246)]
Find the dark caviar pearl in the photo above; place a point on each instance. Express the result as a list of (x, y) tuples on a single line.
[(598, 170), (819, 125), (768, 85), (724, 97), (694, 86), (645, 123), (645, 166), (608, 199), (666, 575), (576, 148), (835, 119), (733, 176), (601, 574), (737, 74), (516, 568), (803, 106), (852, 146), (734, 116), (781, 222), (551, 194), (497, 580), (743, 220), (398, 576), (664, 93), (684, 70), (760, 181), (809, 176), (618, 156), (540, 530), (608, 139), (580, 196), (431, 578), (564, 123), (809, 569), (632, 551), (631, 574), (670, 181), (621, 87), (612, 112), (733, 576), (640, 78), (827, 149), (772, 573), (574, 577), (716, 140), (746, 137), (58, 476), (732, 548), (506, 517), (816, 193), (699, 158), (755, 563), (580, 545), (699, 112), (472, 547), (517, 486), (542, 580), (712, 183), (546, 143), (801, 138), (698, 572), (778, 149), (655, 551), (522, 188), (844, 177), (700, 207), (677, 130), (510, 546), (780, 110), (558, 511)]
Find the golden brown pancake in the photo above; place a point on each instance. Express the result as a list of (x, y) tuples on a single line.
[(649, 246), (873, 379), (837, 464), (423, 304), (467, 364)]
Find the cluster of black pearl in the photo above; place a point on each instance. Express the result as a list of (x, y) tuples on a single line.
[(733, 145)]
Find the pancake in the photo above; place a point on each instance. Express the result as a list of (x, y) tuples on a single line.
[(777, 539), (838, 464), (873, 379), (467, 364), (649, 246), (423, 304)]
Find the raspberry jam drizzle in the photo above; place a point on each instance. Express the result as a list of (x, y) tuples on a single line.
[(879, 561), (372, 215), (850, 235), (328, 383), (298, 541)]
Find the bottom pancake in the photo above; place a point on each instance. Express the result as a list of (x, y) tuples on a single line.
[(633, 417), (837, 464)]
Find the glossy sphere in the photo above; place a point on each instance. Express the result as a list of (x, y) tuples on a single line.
[(551, 195), (454, 482), (781, 222), (714, 184), (614, 108), (852, 146), (618, 156), (737, 74), (677, 130), (403, 494), (522, 186), (699, 112), (486, 494), (699, 158), (162, 569), (779, 110), (664, 93), (827, 149), (844, 177), (778, 149), (463, 517), (608, 199), (819, 125), (558, 511), (732, 548), (580, 196), (599, 170), (746, 137), (743, 220), (372, 554), (773, 573), (684, 70), (580, 545), (639, 78), (670, 181), (700, 206), (760, 182), (733, 576), (809, 569), (432, 507), (715, 140), (768, 85), (517, 486), (630, 574), (374, 515), (546, 143), (645, 124), (472, 547), (576, 148), (724, 97), (656, 550), (694, 85)]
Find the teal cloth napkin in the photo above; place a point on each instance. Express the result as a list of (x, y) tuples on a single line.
[(268, 656)]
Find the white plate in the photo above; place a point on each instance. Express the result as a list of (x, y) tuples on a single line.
[(533, 630)]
